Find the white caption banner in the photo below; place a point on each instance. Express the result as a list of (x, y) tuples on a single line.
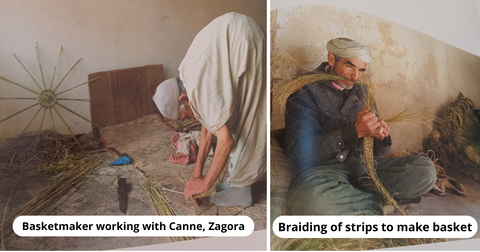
[(375, 226), (146, 226)]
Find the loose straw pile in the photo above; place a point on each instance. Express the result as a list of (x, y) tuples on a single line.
[(355, 244), (35, 149), (161, 205), (53, 193)]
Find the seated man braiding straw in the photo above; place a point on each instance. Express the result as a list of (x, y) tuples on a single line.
[(225, 90), (325, 123)]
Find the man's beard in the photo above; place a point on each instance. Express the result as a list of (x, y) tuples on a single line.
[(334, 71), (344, 86)]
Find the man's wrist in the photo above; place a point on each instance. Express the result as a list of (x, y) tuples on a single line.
[(207, 183)]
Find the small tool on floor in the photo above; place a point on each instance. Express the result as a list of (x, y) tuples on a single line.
[(122, 194)]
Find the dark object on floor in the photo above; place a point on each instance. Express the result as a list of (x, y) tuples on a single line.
[(122, 194)]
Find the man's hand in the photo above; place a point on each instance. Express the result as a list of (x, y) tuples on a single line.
[(195, 186), (367, 124), (382, 131)]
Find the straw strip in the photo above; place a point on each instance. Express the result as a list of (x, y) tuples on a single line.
[(18, 98), (5, 213), (371, 171), (14, 83), (69, 129), (67, 99), (37, 51), (27, 71), (74, 65), (53, 193), (283, 93), (19, 112), (161, 205), (53, 123), (31, 120), (71, 111), (79, 85), (55, 69)]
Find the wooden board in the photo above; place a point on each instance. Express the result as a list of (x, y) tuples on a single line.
[(123, 95)]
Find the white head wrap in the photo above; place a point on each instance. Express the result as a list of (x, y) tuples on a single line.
[(347, 48), (166, 99)]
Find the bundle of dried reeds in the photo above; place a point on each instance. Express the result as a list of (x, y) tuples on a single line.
[(161, 205), (456, 138), (370, 162), (331, 244), (371, 171), (280, 97), (50, 195), (35, 149)]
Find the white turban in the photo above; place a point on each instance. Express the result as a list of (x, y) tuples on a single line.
[(166, 99), (347, 48)]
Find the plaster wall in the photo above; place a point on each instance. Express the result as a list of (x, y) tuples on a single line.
[(107, 34), (408, 68), (454, 22)]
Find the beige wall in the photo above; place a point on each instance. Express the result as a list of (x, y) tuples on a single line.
[(107, 34), (408, 67)]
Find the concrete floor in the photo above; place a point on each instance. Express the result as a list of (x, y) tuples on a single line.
[(451, 204), (431, 204), (147, 143)]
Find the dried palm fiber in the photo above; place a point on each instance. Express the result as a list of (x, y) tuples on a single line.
[(437, 162), (332, 244), (50, 195), (35, 149), (161, 205), (404, 115), (281, 96), (48, 151), (456, 138), (370, 164)]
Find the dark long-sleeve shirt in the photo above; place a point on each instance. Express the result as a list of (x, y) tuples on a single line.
[(320, 124)]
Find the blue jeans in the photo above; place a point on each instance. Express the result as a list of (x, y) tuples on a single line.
[(334, 188)]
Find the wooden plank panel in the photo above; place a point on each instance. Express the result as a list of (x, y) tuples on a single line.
[(154, 75), (123, 95), (101, 109)]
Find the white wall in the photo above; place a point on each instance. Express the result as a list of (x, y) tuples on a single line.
[(454, 22), (408, 68), (107, 34)]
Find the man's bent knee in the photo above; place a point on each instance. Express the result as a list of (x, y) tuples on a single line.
[(425, 174)]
